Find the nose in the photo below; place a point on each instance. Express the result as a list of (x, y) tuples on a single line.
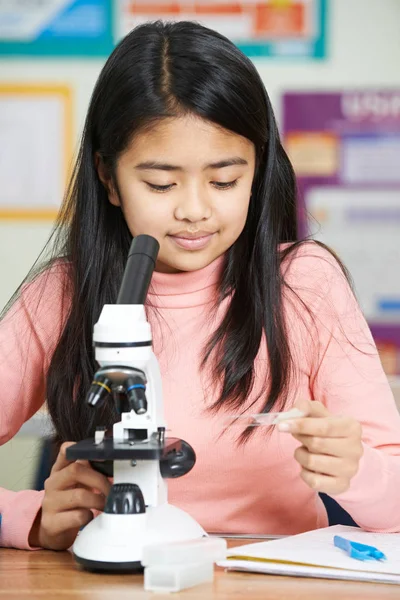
[(193, 206)]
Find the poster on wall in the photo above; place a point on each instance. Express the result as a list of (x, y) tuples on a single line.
[(268, 28), (345, 148), (56, 27), (35, 150)]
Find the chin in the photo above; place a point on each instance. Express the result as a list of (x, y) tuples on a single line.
[(190, 261)]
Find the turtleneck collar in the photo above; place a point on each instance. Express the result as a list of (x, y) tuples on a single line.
[(187, 288)]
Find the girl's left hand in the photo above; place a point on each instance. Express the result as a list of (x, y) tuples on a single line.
[(331, 447)]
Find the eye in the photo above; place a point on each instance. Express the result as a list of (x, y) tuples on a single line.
[(160, 188), (224, 185)]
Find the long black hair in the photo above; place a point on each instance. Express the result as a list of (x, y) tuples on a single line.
[(159, 70)]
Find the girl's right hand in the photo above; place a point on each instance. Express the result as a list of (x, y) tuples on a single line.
[(68, 500)]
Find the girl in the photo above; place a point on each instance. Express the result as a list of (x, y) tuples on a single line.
[(180, 142)]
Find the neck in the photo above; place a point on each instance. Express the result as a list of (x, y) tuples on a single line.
[(186, 288)]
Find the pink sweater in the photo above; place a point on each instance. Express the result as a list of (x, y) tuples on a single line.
[(254, 488)]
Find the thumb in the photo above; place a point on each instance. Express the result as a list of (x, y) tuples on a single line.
[(62, 461), (311, 408)]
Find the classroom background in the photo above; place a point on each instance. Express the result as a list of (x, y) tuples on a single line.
[(331, 68)]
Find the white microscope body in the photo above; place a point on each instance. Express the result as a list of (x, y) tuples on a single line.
[(137, 511)]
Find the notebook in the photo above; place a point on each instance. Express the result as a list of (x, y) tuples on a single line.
[(313, 554)]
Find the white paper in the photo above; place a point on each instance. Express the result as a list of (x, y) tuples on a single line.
[(371, 160), (25, 20), (363, 227), (316, 549), (304, 571), (238, 26), (32, 152)]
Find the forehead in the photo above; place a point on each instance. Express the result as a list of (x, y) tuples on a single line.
[(189, 138)]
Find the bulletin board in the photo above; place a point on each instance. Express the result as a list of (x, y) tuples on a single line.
[(36, 141), (345, 148), (56, 28), (269, 28)]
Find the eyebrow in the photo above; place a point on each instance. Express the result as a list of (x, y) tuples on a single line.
[(228, 162)]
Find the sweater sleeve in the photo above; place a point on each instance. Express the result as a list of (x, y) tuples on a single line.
[(349, 379), (28, 336)]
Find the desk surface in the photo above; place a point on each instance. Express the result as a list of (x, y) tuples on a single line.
[(51, 575)]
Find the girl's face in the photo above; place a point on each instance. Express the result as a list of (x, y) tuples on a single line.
[(186, 182)]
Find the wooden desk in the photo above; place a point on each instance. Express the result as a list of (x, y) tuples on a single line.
[(54, 576)]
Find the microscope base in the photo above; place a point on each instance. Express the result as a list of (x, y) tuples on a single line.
[(95, 566), (115, 542)]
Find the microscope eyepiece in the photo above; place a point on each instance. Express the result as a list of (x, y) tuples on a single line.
[(139, 269)]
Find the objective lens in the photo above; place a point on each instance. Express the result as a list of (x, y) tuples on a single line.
[(98, 392)]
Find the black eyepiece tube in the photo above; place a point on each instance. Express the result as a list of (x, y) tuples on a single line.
[(138, 271)]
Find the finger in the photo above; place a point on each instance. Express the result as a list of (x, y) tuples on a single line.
[(324, 483), (312, 408), (77, 473), (329, 446), (326, 465), (65, 521), (61, 460), (338, 427), (59, 502)]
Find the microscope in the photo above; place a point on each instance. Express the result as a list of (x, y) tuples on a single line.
[(137, 454)]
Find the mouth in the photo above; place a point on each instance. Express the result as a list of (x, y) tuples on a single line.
[(189, 241)]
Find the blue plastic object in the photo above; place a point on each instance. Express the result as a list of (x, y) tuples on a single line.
[(358, 551)]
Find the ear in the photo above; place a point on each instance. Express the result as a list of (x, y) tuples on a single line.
[(106, 180)]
